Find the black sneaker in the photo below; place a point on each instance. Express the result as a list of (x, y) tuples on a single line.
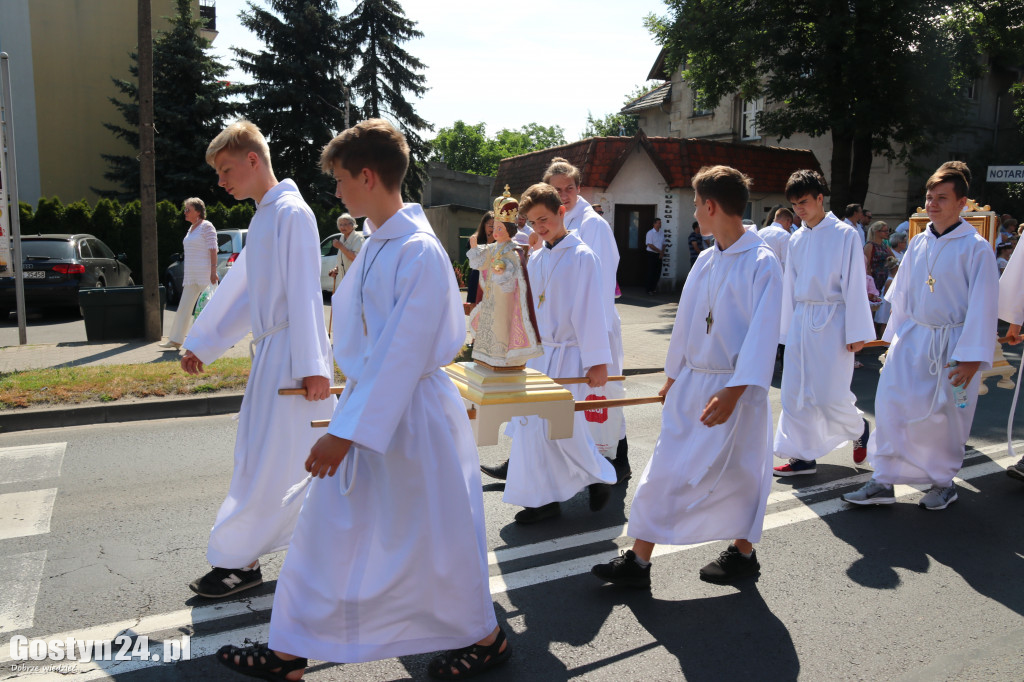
[(537, 514), (730, 566), (624, 570), (224, 582), (599, 494), (623, 472), (499, 472)]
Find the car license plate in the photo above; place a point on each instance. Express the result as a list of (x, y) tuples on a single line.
[(34, 274)]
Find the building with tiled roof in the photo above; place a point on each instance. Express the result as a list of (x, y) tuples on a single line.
[(640, 178)]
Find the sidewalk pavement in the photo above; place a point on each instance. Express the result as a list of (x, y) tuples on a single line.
[(646, 329)]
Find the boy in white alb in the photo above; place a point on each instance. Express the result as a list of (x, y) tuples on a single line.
[(281, 304), (1011, 309), (825, 320), (389, 555), (942, 328), (565, 282), (710, 473), (594, 231)]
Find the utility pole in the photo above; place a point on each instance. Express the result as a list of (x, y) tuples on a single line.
[(147, 176)]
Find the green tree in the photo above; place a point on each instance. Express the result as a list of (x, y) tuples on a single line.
[(190, 107), (614, 125), (297, 94), (467, 148), (876, 77), (386, 75)]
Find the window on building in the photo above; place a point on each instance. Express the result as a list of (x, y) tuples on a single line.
[(700, 108), (748, 118), (971, 90)]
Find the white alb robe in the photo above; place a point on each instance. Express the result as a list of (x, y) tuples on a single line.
[(389, 556), (824, 307), (597, 234), (712, 483), (574, 335), (777, 238), (274, 292), (1011, 289), (920, 433)]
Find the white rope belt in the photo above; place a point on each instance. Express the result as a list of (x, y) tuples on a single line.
[(709, 370), (938, 350), (808, 327), (256, 339)]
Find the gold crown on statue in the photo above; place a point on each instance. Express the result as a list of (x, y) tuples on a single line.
[(506, 209)]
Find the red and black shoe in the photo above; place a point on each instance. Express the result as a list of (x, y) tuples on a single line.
[(860, 446)]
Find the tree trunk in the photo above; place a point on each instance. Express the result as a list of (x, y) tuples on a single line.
[(861, 169), (147, 176), (839, 183)]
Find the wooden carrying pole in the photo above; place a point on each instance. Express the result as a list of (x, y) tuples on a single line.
[(336, 390), (885, 344)]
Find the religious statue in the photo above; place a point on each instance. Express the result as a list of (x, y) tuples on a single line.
[(503, 325)]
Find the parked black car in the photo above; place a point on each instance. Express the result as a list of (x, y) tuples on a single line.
[(56, 266)]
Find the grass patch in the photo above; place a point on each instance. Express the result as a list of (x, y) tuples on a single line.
[(108, 383)]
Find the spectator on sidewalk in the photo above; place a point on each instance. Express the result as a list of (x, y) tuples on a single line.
[(199, 249), (655, 252)]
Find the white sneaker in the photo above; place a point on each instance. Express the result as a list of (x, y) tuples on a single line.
[(938, 497), (871, 492), (170, 344)]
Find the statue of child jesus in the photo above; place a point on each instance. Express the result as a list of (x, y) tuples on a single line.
[(503, 324)]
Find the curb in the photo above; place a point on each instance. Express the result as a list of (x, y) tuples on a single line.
[(27, 420)]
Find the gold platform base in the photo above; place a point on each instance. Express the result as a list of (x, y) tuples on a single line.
[(499, 396)]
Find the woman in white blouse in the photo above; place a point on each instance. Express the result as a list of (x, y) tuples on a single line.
[(200, 249)]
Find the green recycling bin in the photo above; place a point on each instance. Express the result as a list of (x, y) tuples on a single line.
[(115, 313)]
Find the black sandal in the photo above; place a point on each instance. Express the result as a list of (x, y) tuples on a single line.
[(469, 661), (258, 660)]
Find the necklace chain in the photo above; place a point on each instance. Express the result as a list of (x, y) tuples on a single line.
[(710, 319), (547, 279), (929, 264), (362, 282)]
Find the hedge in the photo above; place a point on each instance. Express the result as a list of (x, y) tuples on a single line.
[(119, 225)]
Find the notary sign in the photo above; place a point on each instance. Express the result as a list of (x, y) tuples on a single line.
[(1005, 174)]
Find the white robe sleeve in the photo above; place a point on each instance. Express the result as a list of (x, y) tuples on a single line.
[(225, 319), (898, 296), (755, 363), (299, 242), (587, 315), (977, 341), (601, 241), (421, 322), (1011, 289), (860, 325), (788, 282)]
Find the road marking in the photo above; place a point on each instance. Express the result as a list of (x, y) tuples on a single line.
[(208, 644), (31, 462), (26, 513), (20, 575), (614, 532)]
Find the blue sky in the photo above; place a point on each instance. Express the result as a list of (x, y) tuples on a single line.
[(508, 64)]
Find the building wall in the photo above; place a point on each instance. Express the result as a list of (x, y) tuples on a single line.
[(16, 41), (453, 225), (76, 47), (445, 186)]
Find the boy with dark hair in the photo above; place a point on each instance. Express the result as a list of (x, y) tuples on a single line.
[(853, 216), (944, 301), (565, 279), (826, 318), (710, 473), (389, 553), (273, 292)]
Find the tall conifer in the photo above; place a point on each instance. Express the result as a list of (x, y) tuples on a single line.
[(190, 107)]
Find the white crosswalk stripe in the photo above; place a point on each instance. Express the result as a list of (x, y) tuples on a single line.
[(31, 462), (20, 575), (184, 620), (26, 513)]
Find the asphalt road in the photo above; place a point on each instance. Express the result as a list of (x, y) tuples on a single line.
[(117, 521)]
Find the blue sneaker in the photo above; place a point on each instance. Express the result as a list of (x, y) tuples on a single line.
[(796, 467)]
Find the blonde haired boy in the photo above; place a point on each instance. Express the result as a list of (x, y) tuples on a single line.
[(274, 293)]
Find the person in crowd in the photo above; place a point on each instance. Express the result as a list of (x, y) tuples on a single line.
[(655, 242), (898, 245), (199, 248), (348, 246), (484, 235), (876, 252), (852, 217)]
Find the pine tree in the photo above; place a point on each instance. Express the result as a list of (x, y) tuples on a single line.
[(297, 94), (385, 72), (190, 108)]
